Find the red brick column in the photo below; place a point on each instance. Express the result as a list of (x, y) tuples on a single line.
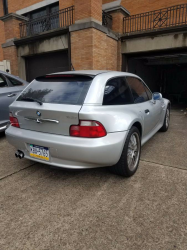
[(88, 10), (119, 56), (92, 49), (93, 46), (117, 21), (12, 29)]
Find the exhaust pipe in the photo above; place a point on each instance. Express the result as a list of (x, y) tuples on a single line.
[(19, 154)]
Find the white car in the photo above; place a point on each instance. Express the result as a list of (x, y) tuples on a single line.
[(87, 119)]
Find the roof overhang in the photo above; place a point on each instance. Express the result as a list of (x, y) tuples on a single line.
[(114, 6), (13, 16)]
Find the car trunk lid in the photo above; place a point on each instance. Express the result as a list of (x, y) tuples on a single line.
[(48, 118)]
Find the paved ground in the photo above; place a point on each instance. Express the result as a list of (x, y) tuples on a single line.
[(44, 208)]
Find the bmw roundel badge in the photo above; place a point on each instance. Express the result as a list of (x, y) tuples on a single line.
[(38, 113)]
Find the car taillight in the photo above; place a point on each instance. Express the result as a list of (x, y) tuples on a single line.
[(88, 129), (13, 121)]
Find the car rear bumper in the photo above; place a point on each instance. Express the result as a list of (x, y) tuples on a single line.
[(70, 152)]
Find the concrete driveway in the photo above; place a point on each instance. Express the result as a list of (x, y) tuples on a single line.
[(45, 208)]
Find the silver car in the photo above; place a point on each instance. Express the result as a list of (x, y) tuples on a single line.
[(10, 87), (87, 119)]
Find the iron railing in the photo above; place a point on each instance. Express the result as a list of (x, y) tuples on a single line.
[(59, 19), (168, 17), (107, 20)]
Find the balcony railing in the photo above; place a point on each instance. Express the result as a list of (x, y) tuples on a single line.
[(154, 20), (107, 20), (60, 19)]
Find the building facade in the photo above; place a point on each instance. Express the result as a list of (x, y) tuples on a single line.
[(146, 37)]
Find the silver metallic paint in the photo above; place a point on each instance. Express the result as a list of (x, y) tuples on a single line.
[(70, 152), (74, 152)]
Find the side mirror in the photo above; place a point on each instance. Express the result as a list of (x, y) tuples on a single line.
[(157, 96)]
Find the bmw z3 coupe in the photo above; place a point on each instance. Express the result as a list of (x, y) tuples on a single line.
[(86, 119)]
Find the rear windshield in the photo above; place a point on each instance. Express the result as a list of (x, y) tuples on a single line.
[(70, 89)]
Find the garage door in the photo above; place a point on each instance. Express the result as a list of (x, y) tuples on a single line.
[(164, 72), (46, 63)]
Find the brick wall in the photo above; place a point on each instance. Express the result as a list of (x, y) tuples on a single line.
[(81, 49), (1, 8), (13, 31), (88, 8), (2, 34), (104, 51), (96, 9), (15, 5), (119, 57), (92, 49), (117, 21), (2, 39), (66, 3), (139, 6), (11, 28)]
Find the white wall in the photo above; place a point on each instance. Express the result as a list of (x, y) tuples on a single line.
[(4, 65)]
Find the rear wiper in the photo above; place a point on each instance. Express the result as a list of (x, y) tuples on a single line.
[(32, 100)]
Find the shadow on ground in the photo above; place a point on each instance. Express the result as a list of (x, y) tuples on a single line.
[(169, 148)]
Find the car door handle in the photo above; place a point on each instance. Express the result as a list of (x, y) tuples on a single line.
[(11, 95), (147, 111)]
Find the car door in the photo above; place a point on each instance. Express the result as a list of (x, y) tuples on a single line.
[(143, 104), (5, 101), (9, 89), (157, 106)]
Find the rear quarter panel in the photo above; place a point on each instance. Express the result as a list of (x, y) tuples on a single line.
[(114, 118), (166, 102)]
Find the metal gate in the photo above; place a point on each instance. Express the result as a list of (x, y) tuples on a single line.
[(46, 63)]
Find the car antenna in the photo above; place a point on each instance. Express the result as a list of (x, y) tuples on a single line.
[(68, 55)]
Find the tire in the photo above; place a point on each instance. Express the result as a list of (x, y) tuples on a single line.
[(124, 168), (165, 126)]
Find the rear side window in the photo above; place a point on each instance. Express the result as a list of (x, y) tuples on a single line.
[(117, 92), (69, 89), (14, 82), (137, 89)]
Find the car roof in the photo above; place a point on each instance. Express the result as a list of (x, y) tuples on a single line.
[(15, 77), (83, 72), (95, 73)]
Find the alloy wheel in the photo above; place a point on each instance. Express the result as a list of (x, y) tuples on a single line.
[(133, 152)]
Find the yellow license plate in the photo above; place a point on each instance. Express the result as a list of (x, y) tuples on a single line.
[(39, 152)]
